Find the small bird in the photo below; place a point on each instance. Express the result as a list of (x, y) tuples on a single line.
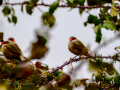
[(10, 51), (76, 47), (12, 40)]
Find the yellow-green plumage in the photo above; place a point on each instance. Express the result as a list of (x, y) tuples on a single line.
[(76, 47)]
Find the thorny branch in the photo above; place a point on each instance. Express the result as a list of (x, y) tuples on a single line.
[(100, 46), (108, 87), (77, 59), (97, 48), (63, 6)]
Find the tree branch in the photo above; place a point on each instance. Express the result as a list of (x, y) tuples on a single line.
[(109, 86), (43, 4), (78, 59)]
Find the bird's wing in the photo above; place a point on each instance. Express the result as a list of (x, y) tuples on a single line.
[(13, 49), (18, 47), (79, 46)]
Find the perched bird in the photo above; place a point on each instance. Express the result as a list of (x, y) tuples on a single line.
[(76, 47), (12, 40), (10, 51)]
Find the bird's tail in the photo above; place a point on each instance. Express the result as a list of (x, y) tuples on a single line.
[(23, 58)]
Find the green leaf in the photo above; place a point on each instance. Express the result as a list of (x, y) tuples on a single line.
[(22, 7), (47, 87), (42, 88), (42, 40), (9, 20), (48, 19), (1, 1), (13, 11), (76, 83), (50, 77), (108, 17), (118, 47), (114, 11), (26, 86), (105, 10), (117, 80), (71, 1), (1, 36), (98, 2), (93, 20), (56, 73), (53, 7), (109, 25), (6, 70), (14, 19), (34, 1), (95, 29), (98, 33), (108, 79), (29, 9), (91, 86), (6, 11), (93, 2), (96, 66), (81, 2), (81, 11), (85, 23)]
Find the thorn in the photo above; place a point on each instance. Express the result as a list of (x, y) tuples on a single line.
[(57, 67), (71, 63), (66, 62)]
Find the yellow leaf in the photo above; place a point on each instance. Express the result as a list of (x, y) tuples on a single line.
[(118, 47), (95, 29), (114, 11), (113, 1)]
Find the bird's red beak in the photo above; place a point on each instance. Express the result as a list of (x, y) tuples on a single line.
[(13, 40), (1, 43), (70, 39)]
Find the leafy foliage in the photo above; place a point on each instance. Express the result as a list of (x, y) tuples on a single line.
[(29, 9), (117, 80), (48, 19), (14, 19), (6, 11), (53, 7), (1, 36), (38, 48), (17, 75)]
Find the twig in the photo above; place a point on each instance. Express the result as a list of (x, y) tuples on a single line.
[(66, 63), (39, 9), (43, 4), (77, 59), (109, 86), (117, 50), (97, 48)]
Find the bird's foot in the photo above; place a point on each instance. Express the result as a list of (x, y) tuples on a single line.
[(80, 58)]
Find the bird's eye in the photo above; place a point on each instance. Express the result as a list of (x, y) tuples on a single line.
[(11, 39), (73, 38)]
